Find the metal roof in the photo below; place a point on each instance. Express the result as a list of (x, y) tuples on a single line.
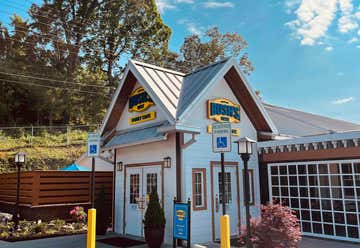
[(195, 82), (136, 136), (166, 84), (298, 123)]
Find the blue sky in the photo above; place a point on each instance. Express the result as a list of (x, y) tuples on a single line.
[(306, 52)]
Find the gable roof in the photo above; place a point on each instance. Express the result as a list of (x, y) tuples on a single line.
[(297, 123), (195, 82), (177, 93)]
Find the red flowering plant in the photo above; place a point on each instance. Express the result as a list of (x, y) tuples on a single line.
[(78, 214), (278, 227)]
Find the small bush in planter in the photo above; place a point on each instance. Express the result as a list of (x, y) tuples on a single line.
[(154, 222), (103, 213), (278, 227)]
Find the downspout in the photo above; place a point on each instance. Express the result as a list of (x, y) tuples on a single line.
[(113, 192), (178, 166)]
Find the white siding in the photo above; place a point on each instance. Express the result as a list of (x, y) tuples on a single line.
[(100, 164), (124, 119), (199, 155), (149, 153)]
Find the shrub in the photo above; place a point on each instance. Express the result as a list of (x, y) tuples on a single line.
[(39, 228), (78, 214), (278, 227), (58, 224), (154, 216)]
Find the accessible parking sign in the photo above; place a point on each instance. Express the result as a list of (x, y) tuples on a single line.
[(221, 137)]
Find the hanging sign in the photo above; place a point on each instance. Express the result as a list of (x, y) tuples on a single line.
[(93, 145), (221, 137), (223, 110), (181, 225), (139, 100)]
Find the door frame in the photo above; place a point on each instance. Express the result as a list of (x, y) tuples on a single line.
[(137, 165), (227, 164)]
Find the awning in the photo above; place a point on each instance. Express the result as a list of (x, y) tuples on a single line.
[(147, 134)]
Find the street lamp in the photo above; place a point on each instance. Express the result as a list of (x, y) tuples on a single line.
[(19, 161), (245, 150)]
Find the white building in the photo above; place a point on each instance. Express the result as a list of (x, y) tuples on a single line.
[(159, 115), (102, 163)]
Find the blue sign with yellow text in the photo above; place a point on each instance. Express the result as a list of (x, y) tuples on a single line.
[(223, 110), (181, 221), (140, 100)]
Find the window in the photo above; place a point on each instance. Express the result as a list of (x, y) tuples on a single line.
[(325, 195), (134, 188), (251, 184), (151, 183), (228, 194), (199, 189)]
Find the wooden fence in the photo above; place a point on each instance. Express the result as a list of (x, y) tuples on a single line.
[(48, 188)]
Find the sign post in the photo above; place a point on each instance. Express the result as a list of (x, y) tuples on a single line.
[(93, 150), (221, 142), (181, 224)]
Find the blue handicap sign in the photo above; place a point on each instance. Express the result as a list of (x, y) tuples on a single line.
[(93, 149), (221, 142), (181, 221)]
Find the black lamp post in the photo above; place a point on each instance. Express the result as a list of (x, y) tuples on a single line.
[(245, 150), (19, 161)]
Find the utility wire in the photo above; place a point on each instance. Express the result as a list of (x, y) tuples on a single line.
[(52, 87), (53, 80), (55, 48), (65, 29)]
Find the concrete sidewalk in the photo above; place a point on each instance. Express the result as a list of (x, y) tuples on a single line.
[(79, 241)]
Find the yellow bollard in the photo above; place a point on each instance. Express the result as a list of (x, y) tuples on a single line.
[(225, 231), (91, 232)]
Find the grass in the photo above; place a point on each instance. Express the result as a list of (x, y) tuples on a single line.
[(49, 151)]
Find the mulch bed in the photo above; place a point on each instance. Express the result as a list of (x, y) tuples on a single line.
[(121, 242), (34, 237)]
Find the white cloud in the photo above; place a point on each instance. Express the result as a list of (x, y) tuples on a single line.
[(358, 46), (358, 32), (315, 17), (164, 5), (329, 48), (347, 21), (353, 40), (217, 4), (191, 27), (343, 100)]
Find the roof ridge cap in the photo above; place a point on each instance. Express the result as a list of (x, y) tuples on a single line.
[(207, 66), (136, 62)]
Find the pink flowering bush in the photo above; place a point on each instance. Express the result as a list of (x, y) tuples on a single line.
[(278, 227), (78, 214)]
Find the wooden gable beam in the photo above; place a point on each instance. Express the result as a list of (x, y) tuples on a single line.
[(246, 101), (120, 103)]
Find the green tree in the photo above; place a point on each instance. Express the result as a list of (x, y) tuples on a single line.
[(126, 29), (196, 52)]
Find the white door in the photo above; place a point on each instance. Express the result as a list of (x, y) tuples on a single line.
[(140, 182), (230, 199)]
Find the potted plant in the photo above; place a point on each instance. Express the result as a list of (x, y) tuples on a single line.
[(102, 213), (154, 222)]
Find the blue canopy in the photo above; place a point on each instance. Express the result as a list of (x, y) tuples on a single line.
[(75, 167)]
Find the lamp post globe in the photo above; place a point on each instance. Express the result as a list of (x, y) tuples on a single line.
[(19, 159), (245, 149)]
